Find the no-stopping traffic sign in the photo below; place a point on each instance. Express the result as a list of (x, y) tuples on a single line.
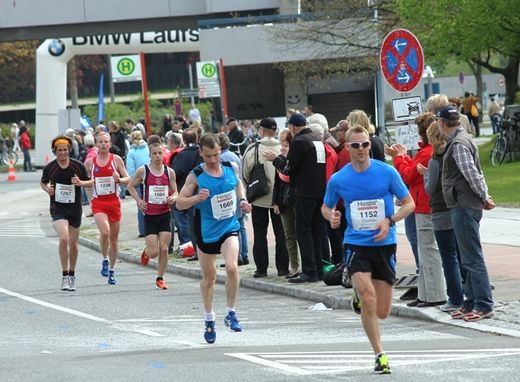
[(401, 60)]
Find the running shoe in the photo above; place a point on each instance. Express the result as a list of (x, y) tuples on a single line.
[(145, 259), (161, 284), (72, 283), (104, 268), (111, 279), (65, 283), (355, 303), (382, 366), (232, 323), (209, 334)]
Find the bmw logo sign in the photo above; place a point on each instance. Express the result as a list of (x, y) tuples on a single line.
[(56, 48)]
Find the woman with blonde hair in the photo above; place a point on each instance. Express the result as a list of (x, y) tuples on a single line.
[(431, 289), (442, 225)]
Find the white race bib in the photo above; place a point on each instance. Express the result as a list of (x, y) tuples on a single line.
[(157, 194), (366, 214), (224, 205), (64, 193), (105, 185)]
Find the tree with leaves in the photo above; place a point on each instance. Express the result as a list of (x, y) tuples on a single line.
[(484, 33), (341, 37)]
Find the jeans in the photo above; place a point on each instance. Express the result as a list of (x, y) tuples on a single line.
[(181, 222), (243, 249), (477, 288), (336, 244), (447, 243), (27, 165), (411, 234), (260, 216), (311, 233)]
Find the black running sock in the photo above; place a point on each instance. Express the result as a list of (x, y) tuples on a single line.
[(71, 273), (158, 278), (65, 273)]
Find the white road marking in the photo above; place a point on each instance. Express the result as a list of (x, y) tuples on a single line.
[(306, 363), (77, 313)]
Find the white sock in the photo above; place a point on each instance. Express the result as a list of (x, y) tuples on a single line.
[(209, 316), (105, 258), (231, 309)]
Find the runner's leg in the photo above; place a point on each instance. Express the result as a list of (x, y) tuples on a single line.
[(114, 245), (104, 232), (209, 276), (73, 247), (229, 250), (384, 292), (164, 242), (61, 227), (365, 289)]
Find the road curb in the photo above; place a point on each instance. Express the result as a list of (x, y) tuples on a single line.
[(331, 301)]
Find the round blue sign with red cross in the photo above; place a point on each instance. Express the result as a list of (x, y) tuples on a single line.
[(402, 60)]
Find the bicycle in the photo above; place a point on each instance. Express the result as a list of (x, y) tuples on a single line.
[(504, 139), (7, 154)]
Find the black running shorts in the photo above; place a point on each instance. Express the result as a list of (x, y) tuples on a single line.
[(380, 261)]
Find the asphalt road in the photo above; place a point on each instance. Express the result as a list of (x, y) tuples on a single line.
[(135, 332)]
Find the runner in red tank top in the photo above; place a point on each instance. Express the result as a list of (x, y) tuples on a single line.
[(160, 192), (107, 172)]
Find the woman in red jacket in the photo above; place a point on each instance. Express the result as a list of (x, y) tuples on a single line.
[(25, 145), (431, 290)]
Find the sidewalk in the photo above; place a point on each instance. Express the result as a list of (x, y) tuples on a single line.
[(501, 244)]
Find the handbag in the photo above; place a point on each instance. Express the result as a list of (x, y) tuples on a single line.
[(257, 185), (338, 275)]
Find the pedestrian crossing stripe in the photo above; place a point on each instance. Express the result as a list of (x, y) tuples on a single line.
[(329, 362), (20, 228)]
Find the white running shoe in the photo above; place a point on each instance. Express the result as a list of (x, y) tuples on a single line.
[(65, 283), (72, 283)]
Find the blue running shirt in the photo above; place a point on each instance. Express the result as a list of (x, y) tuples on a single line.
[(368, 199), (217, 213)]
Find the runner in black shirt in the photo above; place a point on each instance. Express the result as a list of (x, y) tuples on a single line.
[(62, 179)]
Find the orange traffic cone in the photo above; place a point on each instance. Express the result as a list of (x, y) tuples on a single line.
[(11, 177)]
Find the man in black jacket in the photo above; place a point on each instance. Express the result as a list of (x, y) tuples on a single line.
[(183, 163), (235, 135), (305, 164)]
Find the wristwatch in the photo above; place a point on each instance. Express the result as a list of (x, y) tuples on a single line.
[(243, 200), (391, 221)]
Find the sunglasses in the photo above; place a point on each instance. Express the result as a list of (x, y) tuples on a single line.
[(358, 145)]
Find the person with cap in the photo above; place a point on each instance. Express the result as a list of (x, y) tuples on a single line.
[(262, 207), (466, 195), (305, 164), (62, 179)]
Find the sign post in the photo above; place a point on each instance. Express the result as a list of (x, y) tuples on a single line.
[(402, 60)]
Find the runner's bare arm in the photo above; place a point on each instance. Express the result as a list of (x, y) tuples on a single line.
[(332, 215), (137, 178), (186, 198), (121, 175), (407, 207), (47, 187)]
